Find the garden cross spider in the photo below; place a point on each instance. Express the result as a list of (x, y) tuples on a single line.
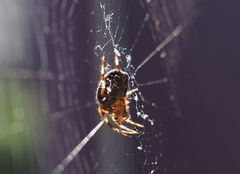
[(112, 98)]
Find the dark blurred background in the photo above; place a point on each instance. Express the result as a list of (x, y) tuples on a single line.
[(210, 83), (49, 74)]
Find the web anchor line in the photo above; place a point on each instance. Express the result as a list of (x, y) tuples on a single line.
[(155, 82), (60, 167), (164, 43), (140, 31)]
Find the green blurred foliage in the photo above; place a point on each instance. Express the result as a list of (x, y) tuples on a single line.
[(20, 122)]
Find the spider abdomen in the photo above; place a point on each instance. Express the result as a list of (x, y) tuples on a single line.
[(116, 85)]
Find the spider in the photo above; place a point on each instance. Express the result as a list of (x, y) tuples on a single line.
[(112, 97)]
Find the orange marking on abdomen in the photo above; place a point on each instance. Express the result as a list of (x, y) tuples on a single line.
[(102, 77), (117, 66)]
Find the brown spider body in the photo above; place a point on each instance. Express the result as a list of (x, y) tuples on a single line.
[(112, 98), (116, 84)]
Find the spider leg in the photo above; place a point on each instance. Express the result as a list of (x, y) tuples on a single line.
[(128, 120), (103, 85), (122, 132), (102, 113), (122, 127), (131, 92), (117, 55)]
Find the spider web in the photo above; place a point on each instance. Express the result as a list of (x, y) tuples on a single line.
[(69, 38)]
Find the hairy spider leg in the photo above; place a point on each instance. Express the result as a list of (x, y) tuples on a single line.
[(122, 132), (116, 56), (103, 84), (125, 127), (102, 113), (118, 121), (123, 117), (128, 120), (131, 92)]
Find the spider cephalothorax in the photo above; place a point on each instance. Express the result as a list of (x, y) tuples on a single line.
[(112, 98)]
